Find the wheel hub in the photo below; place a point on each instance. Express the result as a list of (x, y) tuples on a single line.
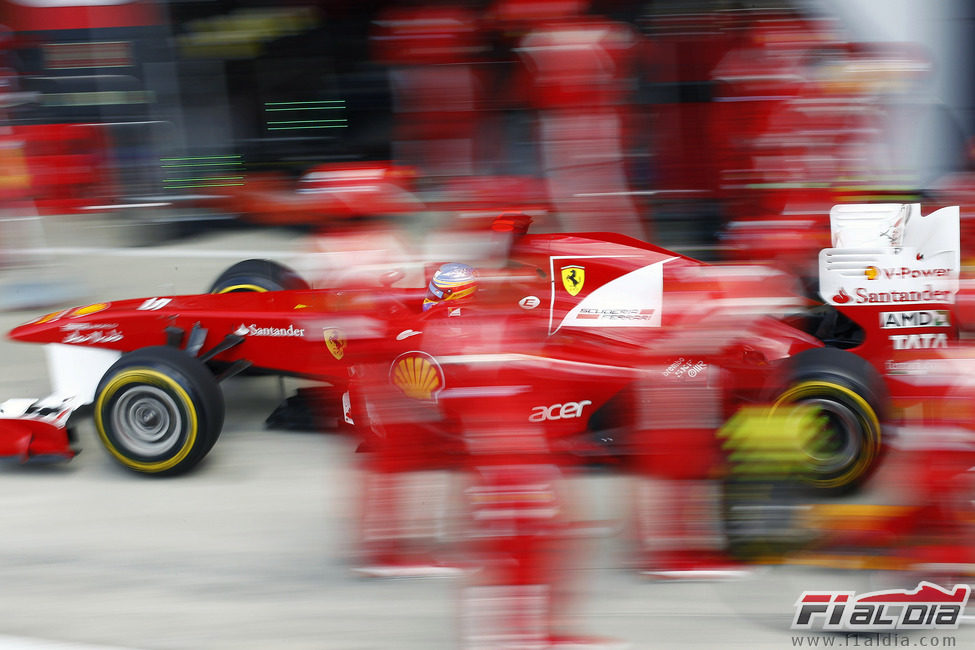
[(147, 419)]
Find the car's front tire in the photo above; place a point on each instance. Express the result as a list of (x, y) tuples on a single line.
[(158, 411)]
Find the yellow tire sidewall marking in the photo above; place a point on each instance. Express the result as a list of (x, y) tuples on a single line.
[(871, 446), (155, 378), (243, 287)]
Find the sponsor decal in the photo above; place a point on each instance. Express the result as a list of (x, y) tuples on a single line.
[(683, 367), (335, 342), (90, 309), (566, 411), (905, 273), (405, 334), (154, 304), (91, 333), (863, 297), (255, 330), (47, 318), (347, 408), (418, 375), (918, 341), (529, 302), (926, 607), (615, 314), (905, 319), (630, 299), (573, 277), (915, 367)]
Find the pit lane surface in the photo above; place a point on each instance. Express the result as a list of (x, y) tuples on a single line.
[(251, 550)]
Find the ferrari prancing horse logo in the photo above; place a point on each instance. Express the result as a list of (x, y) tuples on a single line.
[(335, 341), (573, 278)]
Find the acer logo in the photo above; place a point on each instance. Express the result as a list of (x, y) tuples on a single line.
[(565, 411)]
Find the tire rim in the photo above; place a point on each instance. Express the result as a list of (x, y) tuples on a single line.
[(147, 420), (852, 421), (841, 443)]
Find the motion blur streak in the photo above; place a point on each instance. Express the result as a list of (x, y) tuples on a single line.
[(710, 333)]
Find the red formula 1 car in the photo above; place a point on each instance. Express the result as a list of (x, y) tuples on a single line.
[(563, 336)]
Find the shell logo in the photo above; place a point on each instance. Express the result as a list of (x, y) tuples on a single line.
[(418, 375), (90, 309), (47, 318), (871, 272)]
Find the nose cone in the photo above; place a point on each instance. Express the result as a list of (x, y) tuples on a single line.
[(37, 329), (49, 328)]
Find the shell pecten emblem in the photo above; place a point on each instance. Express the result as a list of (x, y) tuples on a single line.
[(418, 375), (90, 309)]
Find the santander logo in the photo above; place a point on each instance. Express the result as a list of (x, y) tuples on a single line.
[(842, 297)]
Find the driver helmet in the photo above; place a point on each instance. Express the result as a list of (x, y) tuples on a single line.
[(452, 281)]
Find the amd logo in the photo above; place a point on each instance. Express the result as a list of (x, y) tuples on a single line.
[(922, 318), (565, 411)]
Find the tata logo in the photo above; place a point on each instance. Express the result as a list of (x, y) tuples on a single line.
[(573, 277), (918, 341), (566, 411), (923, 318)]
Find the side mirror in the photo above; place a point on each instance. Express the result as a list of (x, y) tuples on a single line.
[(389, 278)]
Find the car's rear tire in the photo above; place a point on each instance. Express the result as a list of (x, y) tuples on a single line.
[(258, 275), (158, 411), (851, 402)]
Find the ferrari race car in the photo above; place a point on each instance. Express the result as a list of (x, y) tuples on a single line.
[(574, 335)]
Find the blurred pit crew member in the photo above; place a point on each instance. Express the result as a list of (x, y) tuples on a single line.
[(407, 455)]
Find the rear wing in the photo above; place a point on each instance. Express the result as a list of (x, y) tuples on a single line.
[(894, 272), (891, 254)]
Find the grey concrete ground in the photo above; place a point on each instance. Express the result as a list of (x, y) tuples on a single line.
[(250, 551)]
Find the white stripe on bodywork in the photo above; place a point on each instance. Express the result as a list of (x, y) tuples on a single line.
[(76, 370)]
